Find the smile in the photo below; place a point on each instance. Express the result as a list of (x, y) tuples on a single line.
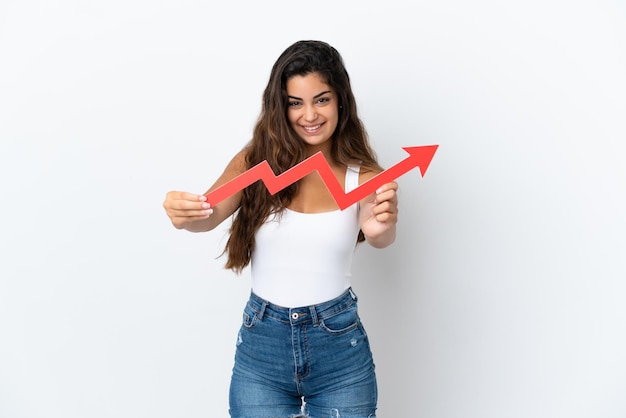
[(311, 128)]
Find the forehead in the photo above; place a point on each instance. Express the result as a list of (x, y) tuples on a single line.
[(311, 83)]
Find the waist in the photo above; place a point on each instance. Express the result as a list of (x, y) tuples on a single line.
[(313, 313)]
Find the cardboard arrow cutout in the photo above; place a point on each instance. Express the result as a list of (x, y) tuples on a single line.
[(419, 156)]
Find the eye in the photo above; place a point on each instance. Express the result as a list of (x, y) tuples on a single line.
[(293, 104), (323, 100)]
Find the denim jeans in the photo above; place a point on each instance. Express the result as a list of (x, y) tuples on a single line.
[(312, 362)]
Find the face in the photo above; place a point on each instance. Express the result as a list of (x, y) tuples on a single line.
[(313, 110)]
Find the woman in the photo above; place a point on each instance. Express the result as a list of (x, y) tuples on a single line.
[(301, 350)]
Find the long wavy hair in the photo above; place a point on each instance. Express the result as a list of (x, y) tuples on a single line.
[(275, 140)]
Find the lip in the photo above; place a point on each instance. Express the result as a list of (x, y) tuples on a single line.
[(307, 128)]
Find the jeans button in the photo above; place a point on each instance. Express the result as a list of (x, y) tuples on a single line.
[(294, 315)]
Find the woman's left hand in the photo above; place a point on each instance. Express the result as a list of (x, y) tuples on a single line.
[(379, 215)]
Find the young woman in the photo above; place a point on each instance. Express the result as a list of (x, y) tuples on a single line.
[(302, 349)]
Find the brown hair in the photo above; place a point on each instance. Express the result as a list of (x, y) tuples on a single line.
[(275, 141)]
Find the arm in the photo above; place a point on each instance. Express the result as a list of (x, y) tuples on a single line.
[(379, 215), (191, 211)]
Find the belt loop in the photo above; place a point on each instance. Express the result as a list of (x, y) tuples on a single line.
[(262, 311), (313, 315), (354, 298)]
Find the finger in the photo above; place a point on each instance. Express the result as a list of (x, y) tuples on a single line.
[(384, 207), (387, 186), (189, 205), (190, 219), (192, 197), (389, 195), (185, 201), (181, 222), (201, 213), (387, 217), (386, 192)]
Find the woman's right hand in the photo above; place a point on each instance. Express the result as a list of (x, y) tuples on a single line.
[(184, 208), (192, 211)]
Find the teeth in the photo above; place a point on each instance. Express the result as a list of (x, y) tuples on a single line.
[(312, 128)]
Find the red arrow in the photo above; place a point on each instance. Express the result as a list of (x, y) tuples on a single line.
[(418, 157)]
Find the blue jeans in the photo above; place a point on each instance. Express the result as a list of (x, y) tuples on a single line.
[(313, 361)]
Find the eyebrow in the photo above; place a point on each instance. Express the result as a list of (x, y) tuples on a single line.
[(314, 97)]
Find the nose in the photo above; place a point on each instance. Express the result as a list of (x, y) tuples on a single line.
[(310, 113)]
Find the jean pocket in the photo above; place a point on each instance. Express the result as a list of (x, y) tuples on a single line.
[(249, 317), (341, 323)]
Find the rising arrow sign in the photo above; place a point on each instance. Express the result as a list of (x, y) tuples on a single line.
[(419, 156)]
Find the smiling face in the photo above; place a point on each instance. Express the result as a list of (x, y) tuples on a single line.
[(313, 110)]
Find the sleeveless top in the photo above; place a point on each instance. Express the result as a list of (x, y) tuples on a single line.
[(303, 259)]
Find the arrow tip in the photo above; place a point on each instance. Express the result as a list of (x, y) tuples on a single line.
[(422, 156)]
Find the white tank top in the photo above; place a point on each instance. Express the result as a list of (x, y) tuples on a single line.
[(302, 259)]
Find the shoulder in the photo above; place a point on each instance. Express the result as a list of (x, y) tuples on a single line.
[(236, 166), (367, 173), (239, 163)]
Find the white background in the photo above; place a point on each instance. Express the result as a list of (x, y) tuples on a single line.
[(503, 295)]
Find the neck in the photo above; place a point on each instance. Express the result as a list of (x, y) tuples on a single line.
[(314, 149)]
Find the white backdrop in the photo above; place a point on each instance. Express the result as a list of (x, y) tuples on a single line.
[(503, 295)]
